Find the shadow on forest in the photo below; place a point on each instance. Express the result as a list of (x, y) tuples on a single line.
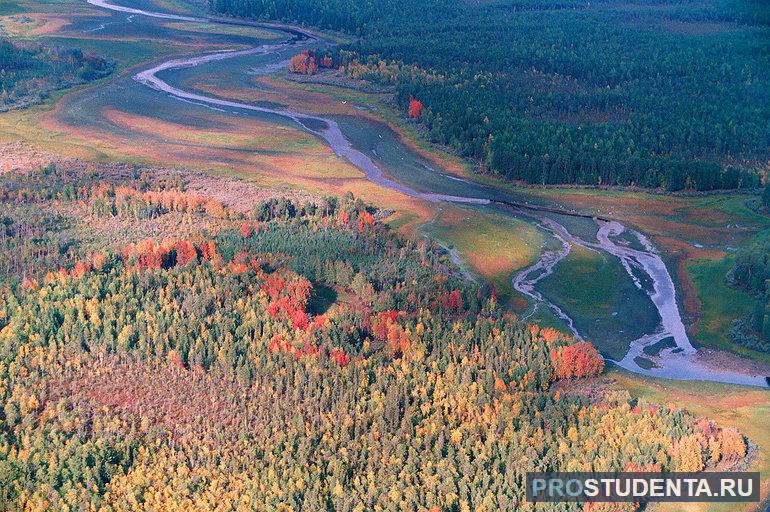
[(322, 299)]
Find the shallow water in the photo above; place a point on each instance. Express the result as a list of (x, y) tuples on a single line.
[(415, 178)]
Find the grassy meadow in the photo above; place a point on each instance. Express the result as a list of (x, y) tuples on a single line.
[(494, 246), (604, 303)]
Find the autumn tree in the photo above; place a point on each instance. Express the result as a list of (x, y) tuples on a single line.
[(415, 108), (128, 376), (303, 63), (581, 359)]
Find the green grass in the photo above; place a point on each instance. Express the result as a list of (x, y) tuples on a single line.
[(595, 291), (735, 205), (171, 6), (124, 53), (209, 28), (399, 220), (9, 7), (615, 193), (544, 317), (51, 2), (185, 6), (720, 305), (494, 246)]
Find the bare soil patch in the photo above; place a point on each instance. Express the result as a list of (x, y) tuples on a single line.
[(158, 395)]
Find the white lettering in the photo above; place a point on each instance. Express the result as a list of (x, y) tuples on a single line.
[(555, 487), (538, 486), (656, 487), (749, 487), (591, 488), (673, 487), (703, 488), (574, 488), (641, 487)]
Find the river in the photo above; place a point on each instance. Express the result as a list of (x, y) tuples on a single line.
[(680, 360)]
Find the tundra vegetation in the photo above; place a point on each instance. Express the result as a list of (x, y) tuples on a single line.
[(164, 347)]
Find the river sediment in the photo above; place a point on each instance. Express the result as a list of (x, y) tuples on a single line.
[(681, 361)]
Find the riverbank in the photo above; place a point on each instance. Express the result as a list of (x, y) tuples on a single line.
[(414, 186)]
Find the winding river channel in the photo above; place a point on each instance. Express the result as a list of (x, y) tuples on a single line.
[(674, 356)]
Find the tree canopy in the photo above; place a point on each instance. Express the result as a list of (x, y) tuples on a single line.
[(670, 95), (298, 357)]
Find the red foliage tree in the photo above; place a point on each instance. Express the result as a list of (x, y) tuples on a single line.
[(209, 250), (578, 360), (340, 357), (273, 286), (380, 324), (384, 326), (298, 63), (303, 63), (365, 219), (80, 269), (456, 300), (275, 343), (299, 318), (185, 252), (245, 230), (29, 284), (147, 255), (415, 108), (98, 260), (319, 322), (289, 297)]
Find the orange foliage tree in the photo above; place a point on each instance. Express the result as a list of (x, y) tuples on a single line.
[(185, 252), (578, 360), (245, 230), (415, 107), (303, 63)]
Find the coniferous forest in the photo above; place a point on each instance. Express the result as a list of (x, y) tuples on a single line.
[(299, 356), (190, 322), (751, 272), (29, 72), (671, 95)]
